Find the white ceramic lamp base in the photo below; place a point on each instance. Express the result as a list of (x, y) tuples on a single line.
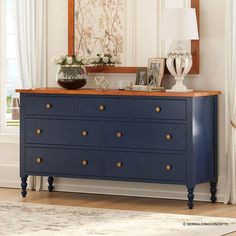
[(179, 86), (179, 63)]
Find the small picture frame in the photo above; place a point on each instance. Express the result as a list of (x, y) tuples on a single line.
[(141, 76), (155, 71)]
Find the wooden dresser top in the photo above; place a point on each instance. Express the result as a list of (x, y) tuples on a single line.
[(117, 92)]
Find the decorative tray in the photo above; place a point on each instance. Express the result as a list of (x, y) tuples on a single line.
[(145, 88)]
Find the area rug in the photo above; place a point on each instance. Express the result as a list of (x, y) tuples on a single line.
[(44, 220)]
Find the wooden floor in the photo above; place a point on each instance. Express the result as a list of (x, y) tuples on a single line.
[(119, 202)]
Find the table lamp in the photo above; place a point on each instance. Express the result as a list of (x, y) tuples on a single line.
[(179, 24)]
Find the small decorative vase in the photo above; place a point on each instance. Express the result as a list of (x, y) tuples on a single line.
[(72, 76)]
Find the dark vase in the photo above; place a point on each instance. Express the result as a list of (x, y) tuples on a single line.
[(72, 77)]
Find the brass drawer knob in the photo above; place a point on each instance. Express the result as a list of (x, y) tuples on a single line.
[(119, 164), (49, 106), (102, 108), (39, 160), (168, 137), (84, 133), (119, 134), (39, 131), (158, 109), (85, 163), (168, 167)]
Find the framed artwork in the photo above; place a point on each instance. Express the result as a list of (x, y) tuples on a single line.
[(99, 27)]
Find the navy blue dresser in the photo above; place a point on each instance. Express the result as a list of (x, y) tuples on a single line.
[(127, 136)]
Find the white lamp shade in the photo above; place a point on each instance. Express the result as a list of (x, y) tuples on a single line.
[(179, 24)]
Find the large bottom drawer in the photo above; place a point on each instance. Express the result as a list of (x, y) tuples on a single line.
[(63, 161), (163, 167)]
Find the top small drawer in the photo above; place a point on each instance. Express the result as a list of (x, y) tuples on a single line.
[(104, 107), (50, 105), (160, 109)]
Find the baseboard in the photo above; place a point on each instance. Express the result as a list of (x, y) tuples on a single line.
[(137, 189), (10, 177), (10, 184)]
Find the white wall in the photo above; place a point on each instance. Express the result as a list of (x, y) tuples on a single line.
[(212, 77)]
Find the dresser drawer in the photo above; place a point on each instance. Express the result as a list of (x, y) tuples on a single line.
[(63, 132), (160, 109), (63, 161), (50, 106), (145, 135), (104, 107), (164, 167)]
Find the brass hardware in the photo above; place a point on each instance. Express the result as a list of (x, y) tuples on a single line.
[(39, 131), (119, 164), (39, 160), (49, 106), (168, 167), (119, 134), (84, 133), (158, 109), (84, 162), (168, 137), (102, 108)]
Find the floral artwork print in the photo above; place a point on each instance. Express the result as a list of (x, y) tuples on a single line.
[(99, 27)]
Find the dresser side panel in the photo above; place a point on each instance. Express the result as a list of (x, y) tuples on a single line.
[(205, 138)]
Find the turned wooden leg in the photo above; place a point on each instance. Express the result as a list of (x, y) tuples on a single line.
[(213, 191), (190, 197), (50, 184), (24, 185)]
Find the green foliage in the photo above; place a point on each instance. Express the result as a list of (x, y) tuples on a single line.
[(9, 104)]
